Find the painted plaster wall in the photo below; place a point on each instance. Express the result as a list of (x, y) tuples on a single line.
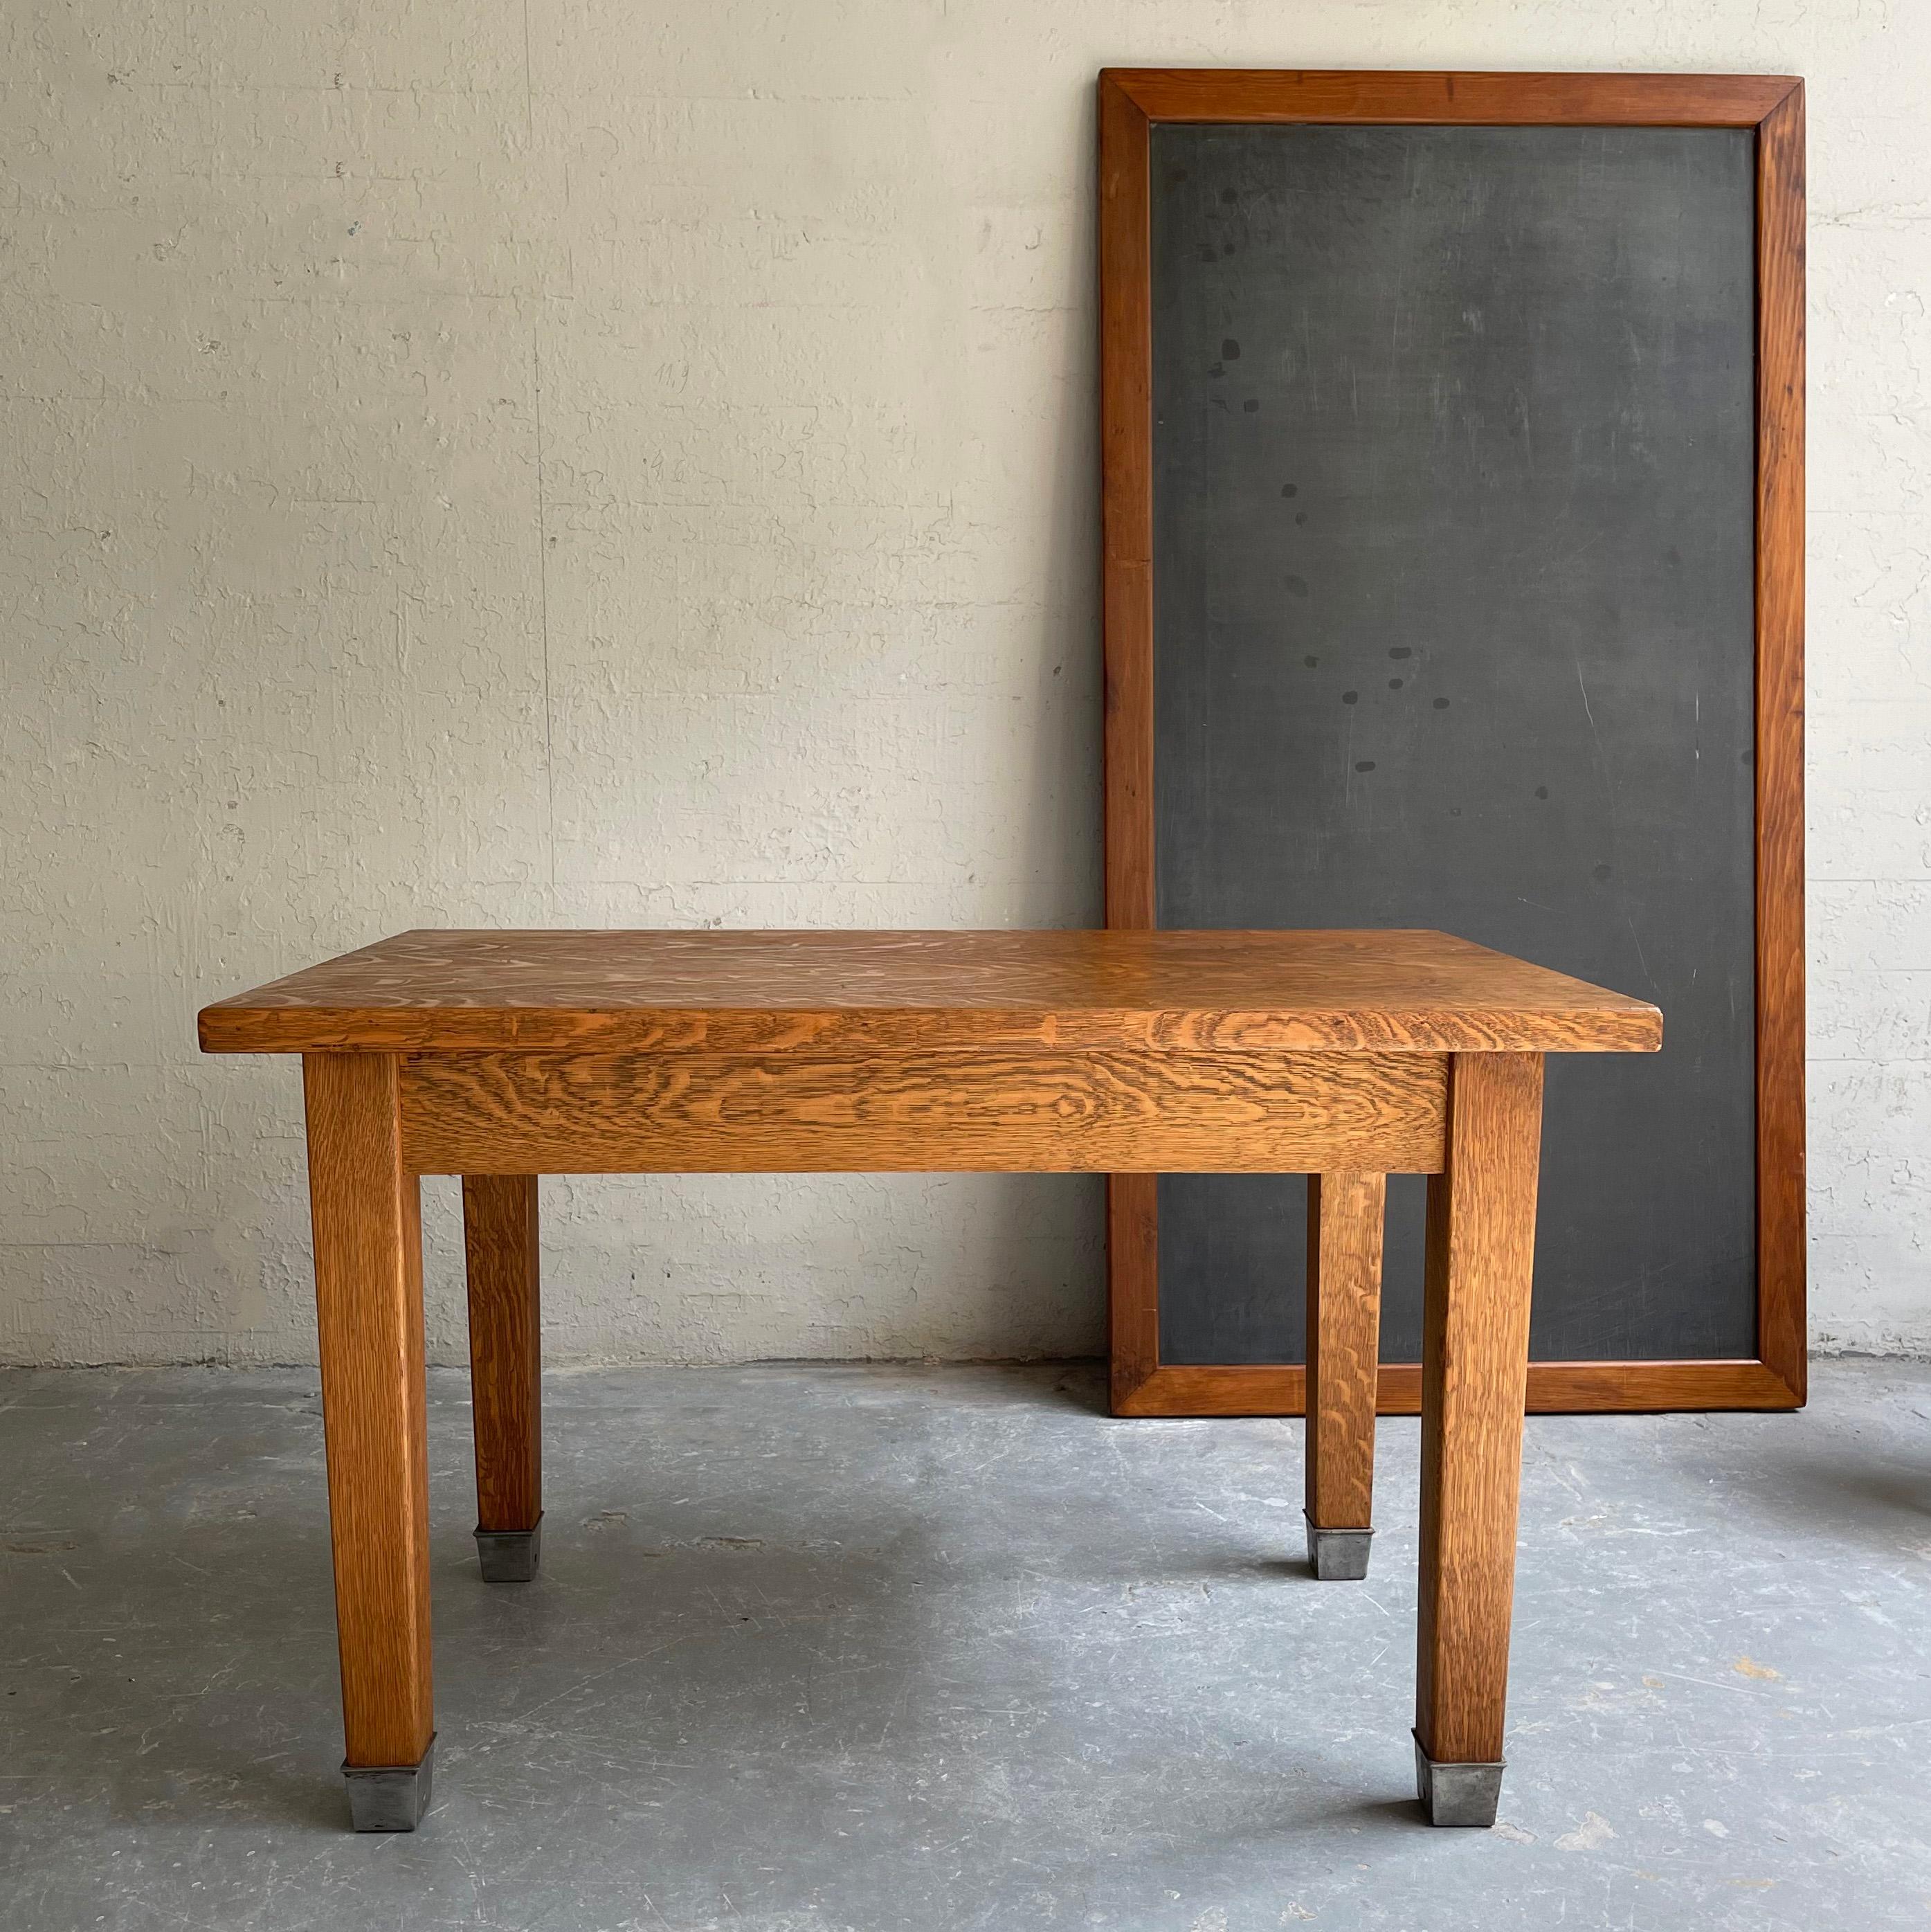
[(621, 462)]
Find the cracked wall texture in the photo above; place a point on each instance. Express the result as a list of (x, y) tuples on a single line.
[(586, 462)]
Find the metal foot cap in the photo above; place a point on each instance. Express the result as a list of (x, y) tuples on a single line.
[(1458, 1794), (390, 1797), (1338, 1556), (510, 1555)]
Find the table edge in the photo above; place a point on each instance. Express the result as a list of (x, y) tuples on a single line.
[(1628, 1027)]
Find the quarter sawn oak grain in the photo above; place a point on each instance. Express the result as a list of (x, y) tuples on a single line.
[(1346, 1211), (1058, 1051), (367, 1211), (990, 1112), (810, 992), (1475, 1352), (499, 1241)]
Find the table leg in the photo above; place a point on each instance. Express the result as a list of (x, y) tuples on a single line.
[(505, 1372), (1475, 1334), (1345, 1216), (367, 1209)]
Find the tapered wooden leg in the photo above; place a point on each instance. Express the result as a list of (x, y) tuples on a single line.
[(505, 1368), (366, 1210), (1475, 1337), (1345, 1216)]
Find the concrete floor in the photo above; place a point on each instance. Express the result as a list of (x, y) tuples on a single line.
[(825, 1647)]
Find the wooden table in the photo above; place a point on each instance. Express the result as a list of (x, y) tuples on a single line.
[(1345, 1056)]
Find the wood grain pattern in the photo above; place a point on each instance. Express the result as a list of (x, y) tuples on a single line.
[(891, 992), (1782, 1247), (500, 1240), (1037, 1113), (366, 1210), (1132, 1280), (1475, 1347), (1130, 101), (1126, 505), (1554, 1388), (1466, 100), (1346, 1210)]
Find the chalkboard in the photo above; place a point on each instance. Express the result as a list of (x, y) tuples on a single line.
[(1453, 465)]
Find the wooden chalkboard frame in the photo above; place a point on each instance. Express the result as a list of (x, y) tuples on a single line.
[(1130, 101)]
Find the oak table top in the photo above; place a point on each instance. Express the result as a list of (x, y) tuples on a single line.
[(1072, 990), (1345, 1056)]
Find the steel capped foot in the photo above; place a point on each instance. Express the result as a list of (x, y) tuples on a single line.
[(1338, 1556), (510, 1555), (1457, 1794), (390, 1797)]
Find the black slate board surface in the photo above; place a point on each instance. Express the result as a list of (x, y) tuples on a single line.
[(1453, 452)]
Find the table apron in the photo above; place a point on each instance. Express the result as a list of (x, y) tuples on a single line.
[(990, 1112)]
